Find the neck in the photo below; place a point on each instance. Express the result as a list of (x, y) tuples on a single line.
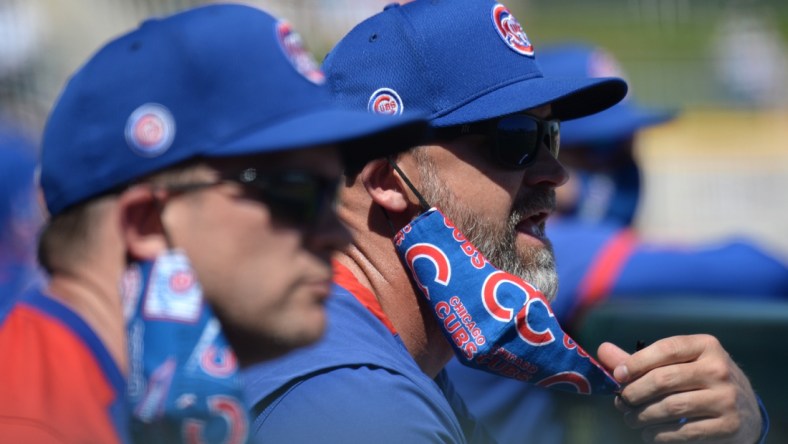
[(96, 299), (374, 262)]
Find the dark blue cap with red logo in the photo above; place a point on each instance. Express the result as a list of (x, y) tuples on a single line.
[(618, 122), (457, 61), (214, 81)]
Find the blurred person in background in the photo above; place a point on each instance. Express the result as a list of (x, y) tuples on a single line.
[(20, 217), (599, 254), (598, 250)]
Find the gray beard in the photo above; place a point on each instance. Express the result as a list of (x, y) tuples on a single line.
[(535, 265)]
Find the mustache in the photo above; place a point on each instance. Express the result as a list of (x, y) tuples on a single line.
[(534, 202)]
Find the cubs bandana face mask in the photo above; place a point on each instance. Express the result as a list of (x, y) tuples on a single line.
[(495, 321), (184, 384)]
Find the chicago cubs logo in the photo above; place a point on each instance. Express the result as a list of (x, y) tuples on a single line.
[(230, 411), (173, 291), (150, 130), (219, 361), (511, 31), (301, 59), (502, 313), (603, 64), (490, 287), (438, 259), (385, 101), (574, 379), (526, 330), (181, 281)]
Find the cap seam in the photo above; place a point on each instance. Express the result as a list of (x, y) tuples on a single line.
[(425, 67), (480, 94), (252, 128)]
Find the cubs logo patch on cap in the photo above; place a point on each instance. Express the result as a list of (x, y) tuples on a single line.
[(150, 130), (511, 31), (301, 59), (385, 101), (603, 64)]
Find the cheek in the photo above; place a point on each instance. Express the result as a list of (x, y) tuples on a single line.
[(239, 254), (259, 257), (248, 282), (481, 186), (264, 293), (484, 197)]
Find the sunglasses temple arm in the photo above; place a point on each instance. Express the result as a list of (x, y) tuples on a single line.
[(423, 202)]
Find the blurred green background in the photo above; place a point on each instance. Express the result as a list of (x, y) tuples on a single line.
[(680, 52)]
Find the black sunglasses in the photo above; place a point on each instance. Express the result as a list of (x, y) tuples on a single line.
[(516, 137), (296, 196)]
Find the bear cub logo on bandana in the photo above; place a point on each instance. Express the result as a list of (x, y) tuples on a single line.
[(385, 101), (301, 59), (511, 31)]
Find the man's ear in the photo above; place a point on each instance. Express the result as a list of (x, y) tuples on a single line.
[(140, 219), (384, 186)]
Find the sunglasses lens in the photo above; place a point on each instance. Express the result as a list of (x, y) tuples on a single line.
[(517, 140), (296, 197), (295, 200)]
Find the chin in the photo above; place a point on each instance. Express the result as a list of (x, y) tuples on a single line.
[(258, 346), (307, 331)]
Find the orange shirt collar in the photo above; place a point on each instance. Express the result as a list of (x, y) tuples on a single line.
[(345, 279)]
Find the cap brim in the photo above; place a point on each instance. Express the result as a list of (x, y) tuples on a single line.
[(361, 136), (571, 98), (618, 122)]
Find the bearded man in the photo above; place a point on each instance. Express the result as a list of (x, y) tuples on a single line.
[(398, 313)]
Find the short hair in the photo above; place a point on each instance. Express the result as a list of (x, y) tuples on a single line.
[(65, 239)]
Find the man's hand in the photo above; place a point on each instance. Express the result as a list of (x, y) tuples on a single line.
[(684, 389)]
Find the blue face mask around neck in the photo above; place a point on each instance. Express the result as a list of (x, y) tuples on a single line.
[(494, 321), (184, 383)]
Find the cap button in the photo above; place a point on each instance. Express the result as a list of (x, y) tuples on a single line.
[(391, 5)]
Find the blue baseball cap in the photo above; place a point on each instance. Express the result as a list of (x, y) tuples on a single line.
[(618, 122), (214, 81), (457, 61)]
